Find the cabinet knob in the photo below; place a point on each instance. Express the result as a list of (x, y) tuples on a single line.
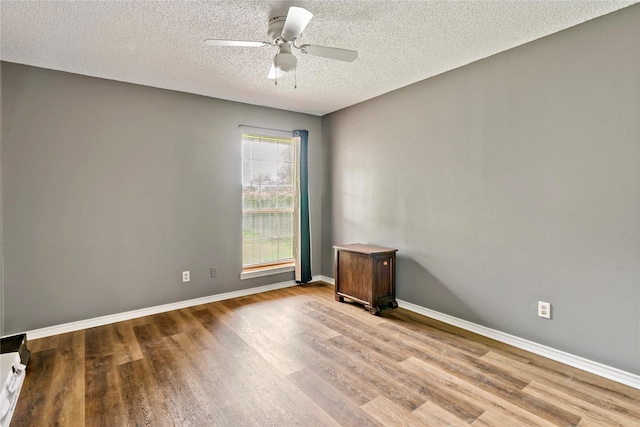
[(385, 263)]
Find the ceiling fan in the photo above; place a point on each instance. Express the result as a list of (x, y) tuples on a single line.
[(283, 32)]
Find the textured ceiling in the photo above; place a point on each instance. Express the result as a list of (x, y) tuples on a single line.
[(160, 43)]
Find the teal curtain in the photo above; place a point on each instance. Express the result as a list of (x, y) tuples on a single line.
[(303, 249)]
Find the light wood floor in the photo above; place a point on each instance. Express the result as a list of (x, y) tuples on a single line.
[(295, 357)]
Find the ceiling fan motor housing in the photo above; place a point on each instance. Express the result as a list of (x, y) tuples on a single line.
[(276, 25)]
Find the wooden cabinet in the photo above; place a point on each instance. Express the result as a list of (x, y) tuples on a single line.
[(366, 274)]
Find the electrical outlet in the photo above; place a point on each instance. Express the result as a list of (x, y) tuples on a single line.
[(214, 271), (186, 276), (544, 309)]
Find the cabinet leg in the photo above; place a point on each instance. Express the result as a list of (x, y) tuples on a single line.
[(339, 298), (393, 304), (372, 310)]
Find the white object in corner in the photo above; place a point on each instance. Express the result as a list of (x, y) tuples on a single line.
[(12, 374)]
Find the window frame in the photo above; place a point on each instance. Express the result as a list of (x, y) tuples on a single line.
[(280, 265)]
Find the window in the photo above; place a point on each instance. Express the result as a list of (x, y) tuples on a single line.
[(267, 201)]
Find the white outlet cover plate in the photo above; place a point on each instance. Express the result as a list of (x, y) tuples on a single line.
[(544, 309)]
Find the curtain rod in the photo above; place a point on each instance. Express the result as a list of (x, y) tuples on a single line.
[(260, 127)]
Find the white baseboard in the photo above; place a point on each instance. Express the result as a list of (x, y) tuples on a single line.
[(113, 318), (596, 368), (325, 279)]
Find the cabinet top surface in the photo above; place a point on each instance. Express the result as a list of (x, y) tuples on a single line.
[(364, 249)]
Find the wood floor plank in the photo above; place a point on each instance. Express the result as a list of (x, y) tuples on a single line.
[(126, 348), (42, 344), (496, 418), (497, 384), (586, 422), (381, 344), (352, 386), (343, 410), (224, 336), (199, 335), (464, 409), (295, 356), (99, 341), (570, 374), (319, 328), (267, 339), (104, 406), (286, 317), (431, 345), (175, 391), (69, 374), (395, 391), (234, 415), (434, 415), (116, 339), (103, 401), (240, 367), (588, 410), (405, 323), (389, 413), (281, 404), (609, 398), (144, 403), (346, 312), (512, 406), (202, 371)]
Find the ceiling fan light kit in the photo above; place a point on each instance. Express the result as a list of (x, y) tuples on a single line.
[(283, 31), (285, 62)]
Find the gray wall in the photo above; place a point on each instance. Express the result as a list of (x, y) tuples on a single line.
[(111, 190), (511, 180)]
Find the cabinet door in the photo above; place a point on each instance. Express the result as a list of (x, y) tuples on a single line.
[(383, 273), (354, 275)]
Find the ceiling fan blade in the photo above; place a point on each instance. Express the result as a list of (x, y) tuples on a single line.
[(234, 43), (297, 20), (330, 52), (272, 72)]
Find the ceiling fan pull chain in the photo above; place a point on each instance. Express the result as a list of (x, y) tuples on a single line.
[(276, 72), (295, 78)]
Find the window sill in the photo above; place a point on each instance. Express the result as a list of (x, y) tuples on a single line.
[(267, 271)]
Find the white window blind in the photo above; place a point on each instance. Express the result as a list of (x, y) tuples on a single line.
[(267, 201)]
